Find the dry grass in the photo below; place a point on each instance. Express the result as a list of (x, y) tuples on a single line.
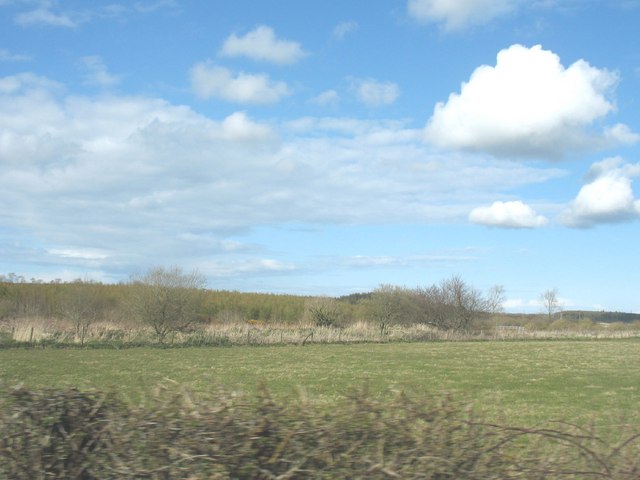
[(37, 330)]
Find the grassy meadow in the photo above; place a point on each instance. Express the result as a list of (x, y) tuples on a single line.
[(523, 382)]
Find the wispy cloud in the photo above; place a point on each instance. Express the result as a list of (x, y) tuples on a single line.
[(343, 29), (45, 16), (328, 97), (50, 13), (374, 93), (7, 56), (155, 5), (253, 266), (97, 72), (389, 261)]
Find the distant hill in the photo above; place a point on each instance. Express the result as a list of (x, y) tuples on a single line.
[(573, 316), (601, 317)]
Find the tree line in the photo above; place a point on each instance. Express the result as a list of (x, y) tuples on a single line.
[(169, 300)]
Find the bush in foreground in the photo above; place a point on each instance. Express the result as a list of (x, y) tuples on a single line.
[(88, 435)]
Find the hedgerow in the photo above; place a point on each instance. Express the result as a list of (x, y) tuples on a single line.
[(71, 434)]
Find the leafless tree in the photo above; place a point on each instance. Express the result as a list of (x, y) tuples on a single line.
[(465, 302), (451, 305), (495, 299), (550, 301), (167, 299), (392, 305)]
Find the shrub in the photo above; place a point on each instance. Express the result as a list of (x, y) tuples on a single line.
[(54, 434)]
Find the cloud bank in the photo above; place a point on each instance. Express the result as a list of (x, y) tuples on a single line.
[(96, 181)]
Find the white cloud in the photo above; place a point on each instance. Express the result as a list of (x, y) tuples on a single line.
[(343, 29), (213, 81), (527, 105), (97, 72), (86, 177), (329, 97), (457, 14), (607, 197), (261, 44), (374, 93), (507, 215)]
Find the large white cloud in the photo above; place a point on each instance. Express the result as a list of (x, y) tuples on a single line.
[(528, 104), (214, 81), (112, 182), (457, 14), (608, 196), (261, 44), (513, 214)]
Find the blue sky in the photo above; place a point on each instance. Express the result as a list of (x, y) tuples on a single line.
[(312, 147)]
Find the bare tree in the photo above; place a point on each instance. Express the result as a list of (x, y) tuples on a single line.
[(167, 299), (466, 302), (83, 304), (550, 301), (494, 302), (451, 305), (391, 305)]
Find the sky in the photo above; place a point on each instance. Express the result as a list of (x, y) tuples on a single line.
[(326, 147)]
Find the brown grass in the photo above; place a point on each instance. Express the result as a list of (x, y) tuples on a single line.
[(38, 330)]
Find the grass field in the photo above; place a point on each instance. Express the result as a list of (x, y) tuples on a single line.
[(519, 382)]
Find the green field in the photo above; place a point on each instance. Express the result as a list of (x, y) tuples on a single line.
[(520, 382)]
